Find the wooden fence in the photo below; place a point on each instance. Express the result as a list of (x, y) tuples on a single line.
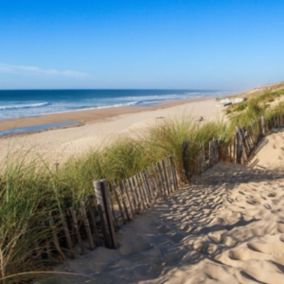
[(246, 140), (100, 215)]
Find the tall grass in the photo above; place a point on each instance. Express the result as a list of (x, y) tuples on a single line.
[(170, 136), (248, 112), (24, 209)]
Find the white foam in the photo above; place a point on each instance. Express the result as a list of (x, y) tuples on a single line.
[(23, 106)]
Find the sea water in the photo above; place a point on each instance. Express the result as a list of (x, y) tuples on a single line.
[(26, 103)]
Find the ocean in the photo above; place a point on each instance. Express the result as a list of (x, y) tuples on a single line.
[(26, 103)]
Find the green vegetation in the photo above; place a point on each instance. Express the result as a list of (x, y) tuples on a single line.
[(30, 191), (24, 208), (245, 114), (261, 101)]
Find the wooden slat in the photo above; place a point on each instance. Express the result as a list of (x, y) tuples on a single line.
[(237, 148), (139, 189), (162, 178), (55, 237), (144, 189), (67, 234), (165, 175), (87, 225), (92, 214), (147, 186), (174, 173), (119, 203), (103, 202), (186, 160), (210, 153), (154, 182), (263, 126), (242, 143), (115, 217), (124, 201), (77, 230), (169, 174), (129, 198), (135, 195)]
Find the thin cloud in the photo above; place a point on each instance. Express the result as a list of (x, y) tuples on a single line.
[(39, 71)]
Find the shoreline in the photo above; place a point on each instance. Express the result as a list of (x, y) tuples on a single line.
[(99, 128), (80, 117)]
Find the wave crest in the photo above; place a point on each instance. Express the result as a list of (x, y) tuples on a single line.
[(23, 106)]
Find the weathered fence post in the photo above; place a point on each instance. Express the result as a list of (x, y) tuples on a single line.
[(55, 236), (67, 233), (262, 123), (236, 148), (104, 208), (243, 145), (77, 230), (185, 159), (174, 173), (87, 225)]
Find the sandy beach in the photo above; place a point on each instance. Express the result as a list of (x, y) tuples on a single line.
[(141, 142), (97, 127), (226, 227)]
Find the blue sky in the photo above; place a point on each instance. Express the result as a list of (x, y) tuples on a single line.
[(219, 44)]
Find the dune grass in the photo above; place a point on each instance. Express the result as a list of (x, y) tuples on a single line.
[(169, 137), (24, 207), (246, 114), (29, 191)]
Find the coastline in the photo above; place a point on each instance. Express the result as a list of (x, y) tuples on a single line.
[(87, 116), (98, 128)]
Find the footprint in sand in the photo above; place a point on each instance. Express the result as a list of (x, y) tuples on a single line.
[(272, 194), (254, 247), (252, 201), (239, 254), (267, 206)]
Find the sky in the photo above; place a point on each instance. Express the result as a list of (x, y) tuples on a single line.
[(204, 44)]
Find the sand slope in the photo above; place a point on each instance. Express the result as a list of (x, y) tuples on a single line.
[(228, 227)]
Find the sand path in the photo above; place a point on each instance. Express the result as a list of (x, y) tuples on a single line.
[(227, 227)]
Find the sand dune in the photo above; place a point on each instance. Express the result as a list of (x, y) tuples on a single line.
[(227, 227), (270, 154)]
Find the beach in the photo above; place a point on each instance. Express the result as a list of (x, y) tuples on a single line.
[(222, 223), (141, 142), (97, 128)]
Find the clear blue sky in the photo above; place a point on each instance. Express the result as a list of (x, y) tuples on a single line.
[(220, 44)]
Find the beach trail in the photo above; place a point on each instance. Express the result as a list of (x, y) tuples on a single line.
[(226, 227)]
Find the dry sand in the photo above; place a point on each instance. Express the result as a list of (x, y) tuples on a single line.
[(100, 128), (227, 227)]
